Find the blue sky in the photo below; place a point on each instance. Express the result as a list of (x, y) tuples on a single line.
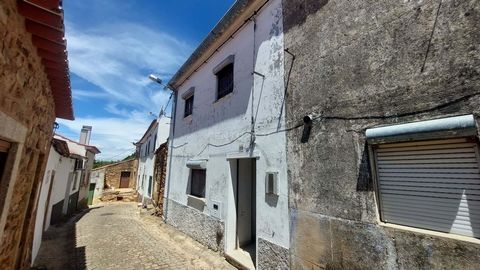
[(113, 45)]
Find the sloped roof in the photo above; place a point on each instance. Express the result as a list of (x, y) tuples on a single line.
[(44, 20), (231, 22), (77, 148)]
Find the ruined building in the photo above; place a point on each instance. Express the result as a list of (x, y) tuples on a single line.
[(34, 89)]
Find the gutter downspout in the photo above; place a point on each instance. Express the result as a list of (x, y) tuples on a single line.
[(170, 152)]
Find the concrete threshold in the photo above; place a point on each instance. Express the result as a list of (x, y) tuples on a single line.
[(240, 259)]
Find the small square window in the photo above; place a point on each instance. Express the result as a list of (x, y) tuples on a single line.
[(188, 106), (225, 81), (197, 183)]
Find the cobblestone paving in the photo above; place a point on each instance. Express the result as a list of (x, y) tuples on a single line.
[(117, 236)]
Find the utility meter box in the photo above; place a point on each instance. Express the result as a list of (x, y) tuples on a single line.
[(271, 183)]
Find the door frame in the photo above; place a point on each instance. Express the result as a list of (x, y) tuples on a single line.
[(231, 213)]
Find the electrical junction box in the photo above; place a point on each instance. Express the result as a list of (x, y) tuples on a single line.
[(271, 183), (216, 209)]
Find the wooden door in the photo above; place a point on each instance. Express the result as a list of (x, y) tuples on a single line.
[(124, 180)]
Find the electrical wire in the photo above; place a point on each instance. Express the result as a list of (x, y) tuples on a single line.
[(123, 153), (343, 118)]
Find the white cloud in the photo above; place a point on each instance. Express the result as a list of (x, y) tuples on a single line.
[(85, 94), (117, 59)]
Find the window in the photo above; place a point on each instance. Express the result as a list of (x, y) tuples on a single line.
[(433, 184), (4, 146), (427, 179), (197, 183), (188, 106), (150, 186), (225, 81), (155, 142), (78, 164), (148, 146), (74, 181)]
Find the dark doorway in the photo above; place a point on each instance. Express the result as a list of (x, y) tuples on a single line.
[(246, 205), (4, 148), (124, 179), (3, 161)]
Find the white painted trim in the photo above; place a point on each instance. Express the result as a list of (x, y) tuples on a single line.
[(227, 61), (431, 233), (239, 155), (14, 132)]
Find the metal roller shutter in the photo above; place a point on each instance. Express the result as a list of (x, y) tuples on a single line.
[(430, 184)]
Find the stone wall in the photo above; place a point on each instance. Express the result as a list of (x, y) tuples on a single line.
[(271, 256), (114, 171), (356, 65), (26, 99), (160, 175), (207, 230)]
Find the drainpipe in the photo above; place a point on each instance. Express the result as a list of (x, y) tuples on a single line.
[(170, 151)]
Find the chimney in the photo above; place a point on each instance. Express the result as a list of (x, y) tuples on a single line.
[(85, 134)]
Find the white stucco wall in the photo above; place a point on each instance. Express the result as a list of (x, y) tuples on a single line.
[(220, 122), (146, 162), (62, 167), (97, 177)]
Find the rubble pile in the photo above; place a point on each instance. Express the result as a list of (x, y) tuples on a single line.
[(126, 195)]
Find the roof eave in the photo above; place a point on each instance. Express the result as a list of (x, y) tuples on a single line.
[(235, 17)]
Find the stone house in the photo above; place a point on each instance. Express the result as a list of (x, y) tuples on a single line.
[(117, 175), (383, 102), (227, 176), (35, 88), (153, 137)]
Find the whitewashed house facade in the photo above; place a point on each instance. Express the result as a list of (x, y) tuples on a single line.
[(59, 196), (227, 178), (155, 135)]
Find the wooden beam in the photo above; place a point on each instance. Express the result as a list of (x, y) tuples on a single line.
[(4, 146), (48, 45), (44, 31), (41, 15), (47, 4), (55, 57)]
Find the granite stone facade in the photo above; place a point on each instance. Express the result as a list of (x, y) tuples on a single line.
[(27, 114), (356, 65), (113, 173), (271, 256), (207, 230)]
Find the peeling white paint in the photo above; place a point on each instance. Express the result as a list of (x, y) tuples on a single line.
[(218, 130)]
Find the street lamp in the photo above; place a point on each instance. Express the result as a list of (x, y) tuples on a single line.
[(155, 79), (171, 137)]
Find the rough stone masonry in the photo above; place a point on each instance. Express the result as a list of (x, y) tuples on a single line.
[(25, 100), (361, 64)]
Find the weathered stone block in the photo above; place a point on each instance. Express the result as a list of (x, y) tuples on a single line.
[(207, 230), (419, 251), (271, 256), (358, 245), (311, 240)]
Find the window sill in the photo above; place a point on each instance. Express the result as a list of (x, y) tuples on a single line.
[(431, 233), (197, 199), (196, 202), (188, 119), (222, 99)]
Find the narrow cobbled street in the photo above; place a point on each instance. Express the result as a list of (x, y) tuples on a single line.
[(118, 236)]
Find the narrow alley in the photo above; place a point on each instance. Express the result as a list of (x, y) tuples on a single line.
[(117, 236), (240, 134)]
